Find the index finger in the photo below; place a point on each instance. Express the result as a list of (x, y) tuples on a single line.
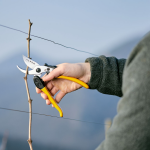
[(54, 74)]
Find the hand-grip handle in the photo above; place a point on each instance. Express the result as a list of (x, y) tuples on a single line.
[(69, 78), (40, 84), (75, 80), (52, 101)]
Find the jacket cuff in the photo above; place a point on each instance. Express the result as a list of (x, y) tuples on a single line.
[(96, 67)]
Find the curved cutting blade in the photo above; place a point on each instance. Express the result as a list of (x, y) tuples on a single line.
[(30, 63), (24, 71), (32, 72)]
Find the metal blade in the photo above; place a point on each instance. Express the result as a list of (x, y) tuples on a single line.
[(24, 71), (30, 63), (32, 72)]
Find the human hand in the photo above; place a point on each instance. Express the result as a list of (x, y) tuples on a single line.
[(80, 71)]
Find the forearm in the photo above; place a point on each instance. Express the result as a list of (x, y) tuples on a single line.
[(106, 74)]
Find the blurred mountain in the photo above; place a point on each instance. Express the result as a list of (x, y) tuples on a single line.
[(18, 143), (52, 132), (122, 50)]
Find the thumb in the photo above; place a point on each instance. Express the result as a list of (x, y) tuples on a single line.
[(54, 74)]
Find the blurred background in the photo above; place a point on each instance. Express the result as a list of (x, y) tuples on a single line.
[(110, 28)]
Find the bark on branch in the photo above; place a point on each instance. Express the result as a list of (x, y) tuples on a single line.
[(28, 94)]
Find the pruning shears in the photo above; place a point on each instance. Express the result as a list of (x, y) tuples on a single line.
[(37, 71)]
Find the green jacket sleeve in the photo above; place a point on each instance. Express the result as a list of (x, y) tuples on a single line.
[(106, 74), (130, 129)]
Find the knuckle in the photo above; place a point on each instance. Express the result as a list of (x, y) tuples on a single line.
[(44, 96), (62, 68), (57, 101), (37, 90), (48, 102), (64, 65)]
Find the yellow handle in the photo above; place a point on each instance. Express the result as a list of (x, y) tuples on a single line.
[(52, 101), (75, 80), (51, 98)]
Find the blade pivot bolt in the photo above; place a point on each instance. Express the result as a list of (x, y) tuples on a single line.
[(38, 70)]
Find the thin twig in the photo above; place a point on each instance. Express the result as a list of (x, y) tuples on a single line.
[(4, 141), (108, 124), (26, 83)]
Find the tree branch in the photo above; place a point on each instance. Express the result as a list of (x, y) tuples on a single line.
[(28, 94)]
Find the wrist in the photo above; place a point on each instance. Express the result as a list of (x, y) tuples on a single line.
[(86, 72)]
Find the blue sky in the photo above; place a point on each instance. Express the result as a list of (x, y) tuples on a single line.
[(94, 26)]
